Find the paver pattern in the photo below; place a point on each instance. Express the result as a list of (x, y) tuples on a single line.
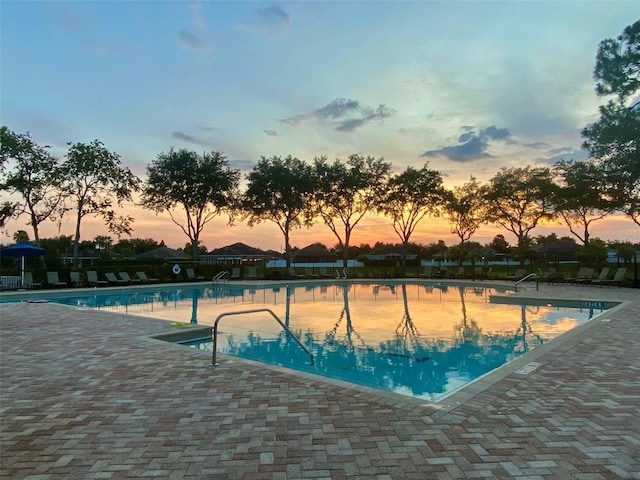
[(87, 394)]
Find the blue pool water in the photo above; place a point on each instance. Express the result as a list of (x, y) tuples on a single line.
[(420, 339)]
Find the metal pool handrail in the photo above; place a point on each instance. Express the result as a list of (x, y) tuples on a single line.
[(220, 276), (242, 312), (531, 275)]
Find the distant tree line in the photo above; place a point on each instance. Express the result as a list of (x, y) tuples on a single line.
[(194, 188)]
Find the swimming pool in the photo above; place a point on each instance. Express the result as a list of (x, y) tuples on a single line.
[(421, 339)]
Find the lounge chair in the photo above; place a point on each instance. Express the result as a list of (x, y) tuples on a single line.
[(441, 273), (551, 276), (235, 273), (125, 276), (293, 274), (113, 280), (144, 279), (54, 281), (616, 280), (603, 276), (324, 273), (310, 274), (585, 275), (191, 275), (93, 281), (75, 279), (252, 273), (28, 281), (427, 272)]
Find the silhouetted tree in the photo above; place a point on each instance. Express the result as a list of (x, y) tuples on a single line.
[(281, 191), (34, 177), (408, 198), (193, 189), (581, 196), (518, 199), (615, 137), (94, 182), (347, 191)]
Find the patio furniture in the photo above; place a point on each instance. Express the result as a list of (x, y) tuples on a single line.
[(191, 276), (113, 280), (616, 280), (125, 276), (54, 281), (93, 281), (144, 279), (28, 281)]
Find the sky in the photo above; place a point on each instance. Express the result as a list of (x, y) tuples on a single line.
[(469, 87)]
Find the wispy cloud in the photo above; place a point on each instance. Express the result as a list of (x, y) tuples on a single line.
[(563, 153), (273, 20), (271, 133), (196, 14), (345, 114), (191, 40), (274, 16), (472, 144), (190, 139)]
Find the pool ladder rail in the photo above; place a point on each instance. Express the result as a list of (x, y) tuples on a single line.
[(214, 334), (221, 276), (531, 275)]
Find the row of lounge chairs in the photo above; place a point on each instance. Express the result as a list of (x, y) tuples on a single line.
[(586, 276), (92, 280)]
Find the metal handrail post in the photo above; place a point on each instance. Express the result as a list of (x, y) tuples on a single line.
[(526, 278), (242, 312)]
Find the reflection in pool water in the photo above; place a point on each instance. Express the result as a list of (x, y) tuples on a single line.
[(419, 339)]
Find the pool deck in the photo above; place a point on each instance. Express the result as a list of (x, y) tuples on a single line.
[(88, 394)]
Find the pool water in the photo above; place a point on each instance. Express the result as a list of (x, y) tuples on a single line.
[(423, 340)]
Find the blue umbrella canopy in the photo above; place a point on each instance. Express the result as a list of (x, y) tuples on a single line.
[(22, 250)]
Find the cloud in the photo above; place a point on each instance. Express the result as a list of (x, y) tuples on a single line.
[(472, 144), (564, 153), (189, 139), (271, 133), (244, 165), (196, 16), (345, 114), (190, 40), (274, 16)]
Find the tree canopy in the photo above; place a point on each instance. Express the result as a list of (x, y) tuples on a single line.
[(94, 182), (614, 139), (34, 177), (346, 191), (518, 198), (465, 209), (280, 190), (193, 189), (581, 196)]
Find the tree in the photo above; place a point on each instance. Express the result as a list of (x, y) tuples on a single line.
[(517, 199), (196, 187), (581, 196), (346, 191), (464, 207), (34, 178), (499, 244), (281, 191), (408, 198), (613, 140), (95, 181)]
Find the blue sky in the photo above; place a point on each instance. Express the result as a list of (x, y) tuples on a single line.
[(467, 86)]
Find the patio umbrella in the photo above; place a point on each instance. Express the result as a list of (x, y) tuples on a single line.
[(22, 250)]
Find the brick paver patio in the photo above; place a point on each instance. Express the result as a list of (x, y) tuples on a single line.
[(87, 394)]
